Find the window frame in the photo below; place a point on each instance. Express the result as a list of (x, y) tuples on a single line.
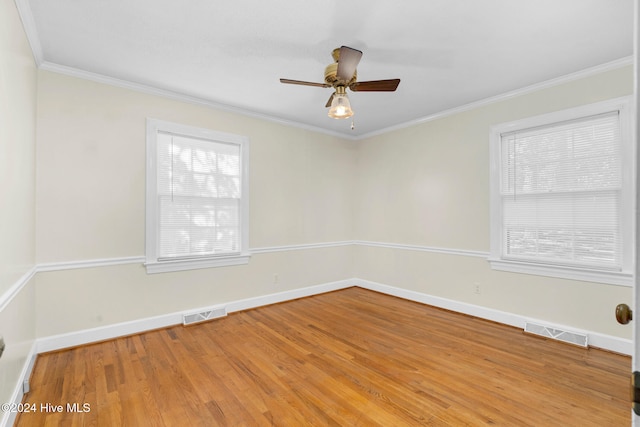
[(153, 264), (622, 277)]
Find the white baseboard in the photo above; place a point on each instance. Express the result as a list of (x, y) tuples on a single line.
[(8, 418), (87, 336), (57, 342), (260, 301), (606, 342)]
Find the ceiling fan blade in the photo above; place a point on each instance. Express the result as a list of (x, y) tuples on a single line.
[(300, 82), (347, 62), (375, 86), (330, 100)]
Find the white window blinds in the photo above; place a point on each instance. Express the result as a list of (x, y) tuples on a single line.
[(560, 190), (198, 197)]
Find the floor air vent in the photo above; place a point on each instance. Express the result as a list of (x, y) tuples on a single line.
[(556, 334), (201, 316)]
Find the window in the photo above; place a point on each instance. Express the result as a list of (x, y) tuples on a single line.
[(562, 194), (197, 198)]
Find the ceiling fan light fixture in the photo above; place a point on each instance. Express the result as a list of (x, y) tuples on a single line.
[(340, 106), (342, 74)]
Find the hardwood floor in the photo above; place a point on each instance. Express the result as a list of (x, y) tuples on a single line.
[(347, 358)]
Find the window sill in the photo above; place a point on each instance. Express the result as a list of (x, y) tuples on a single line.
[(599, 276), (194, 264)]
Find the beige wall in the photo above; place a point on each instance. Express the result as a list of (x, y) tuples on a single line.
[(91, 186), (91, 172), (17, 195), (73, 300), (428, 185), (17, 142), (424, 185)]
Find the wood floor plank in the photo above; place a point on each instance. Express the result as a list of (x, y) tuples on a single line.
[(346, 358)]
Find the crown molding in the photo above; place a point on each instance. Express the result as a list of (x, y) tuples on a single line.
[(26, 15), (567, 78), (29, 25), (158, 91), (177, 96)]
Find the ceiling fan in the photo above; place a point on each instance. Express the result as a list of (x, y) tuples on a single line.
[(342, 75)]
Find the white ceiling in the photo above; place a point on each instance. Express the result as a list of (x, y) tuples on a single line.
[(447, 53)]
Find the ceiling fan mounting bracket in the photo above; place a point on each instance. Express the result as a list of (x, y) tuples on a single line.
[(335, 53)]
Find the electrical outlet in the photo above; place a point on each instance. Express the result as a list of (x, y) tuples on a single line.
[(476, 288), (276, 279)]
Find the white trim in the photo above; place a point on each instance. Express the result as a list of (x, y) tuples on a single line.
[(77, 338), (596, 339), (622, 104), (31, 30), (15, 289), (568, 78), (269, 299), (151, 90), (89, 263), (448, 304), (611, 343), (497, 260), (86, 336), (152, 226), (195, 264), (74, 72), (72, 339), (432, 249), (304, 246), (616, 278), (8, 418), (105, 262), (177, 96)]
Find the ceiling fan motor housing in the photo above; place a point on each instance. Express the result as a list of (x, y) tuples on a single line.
[(331, 76)]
